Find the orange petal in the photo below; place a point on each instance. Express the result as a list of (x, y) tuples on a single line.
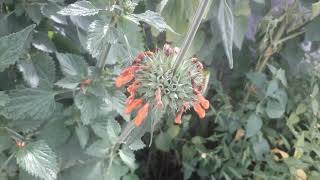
[(142, 115), (204, 103), (179, 116), (135, 104), (199, 110), (123, 80)]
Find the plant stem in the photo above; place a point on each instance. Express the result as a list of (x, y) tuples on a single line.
[(103, 60), (13, 132), (5, 164), (192, 31)]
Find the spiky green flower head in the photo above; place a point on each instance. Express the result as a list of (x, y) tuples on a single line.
[(159, 82), (159, 76)]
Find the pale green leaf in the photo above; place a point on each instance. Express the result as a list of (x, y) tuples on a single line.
[(79, 8), (152, 18), (35, 103), (226, 25), (4, 98), (13, 46), (38, 159), (116, 171), (274, 109), (72, 65), (163, 142), (261, 147), (315, 106), (130, 177), (312, 30), (254, 124), (83, 135)]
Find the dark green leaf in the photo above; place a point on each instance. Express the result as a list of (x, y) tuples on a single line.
[(35, 103), (72, 65), (89, 107)]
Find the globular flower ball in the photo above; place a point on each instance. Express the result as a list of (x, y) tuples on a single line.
[(155, 81)]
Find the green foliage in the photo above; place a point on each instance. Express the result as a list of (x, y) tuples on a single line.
[(61, 116)]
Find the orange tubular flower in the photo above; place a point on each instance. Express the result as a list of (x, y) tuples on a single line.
[(199, 110), (142, 115), (127, 75), (132, 89), (204, 103), (179, 116), (123, 80), (135, 104), (158, 99)]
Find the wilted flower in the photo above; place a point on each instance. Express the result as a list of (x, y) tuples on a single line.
[(157, 82)]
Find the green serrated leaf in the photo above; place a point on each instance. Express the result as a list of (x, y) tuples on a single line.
[(69, 82), (83, 135), (99, 36), (55, 133), (13, 46), (89, 107), (137, 145), (152, 18), (35, 103), (99, 148), (79, 8), (113, 130), (128, 157), (39, 160), (72, 65), (226, 24), (116, 171)]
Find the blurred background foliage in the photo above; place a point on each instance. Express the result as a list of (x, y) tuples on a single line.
[(62, 118)]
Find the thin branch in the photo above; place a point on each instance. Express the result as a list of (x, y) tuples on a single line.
[(192, 31)]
